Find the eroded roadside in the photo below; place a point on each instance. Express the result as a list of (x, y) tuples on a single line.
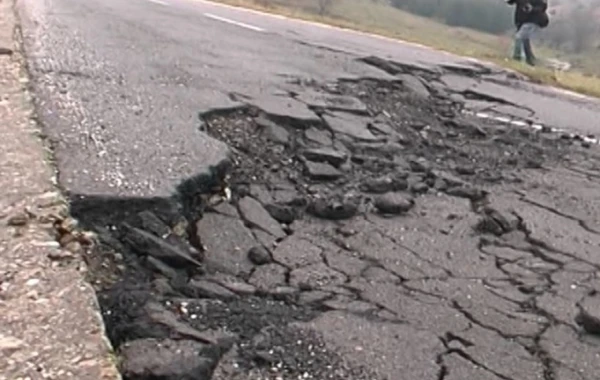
[(50, 325), (373, 231)]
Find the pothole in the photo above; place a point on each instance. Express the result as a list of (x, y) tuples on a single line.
[(204, 285)]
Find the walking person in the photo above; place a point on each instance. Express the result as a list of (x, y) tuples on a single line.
[(530, 17)]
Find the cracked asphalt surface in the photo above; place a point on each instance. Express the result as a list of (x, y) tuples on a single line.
[(395, 212)]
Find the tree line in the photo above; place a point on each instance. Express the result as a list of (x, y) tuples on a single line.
[(575, 29), (485, 15)]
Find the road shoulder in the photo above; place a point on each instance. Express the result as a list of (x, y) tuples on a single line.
[(49, 321)]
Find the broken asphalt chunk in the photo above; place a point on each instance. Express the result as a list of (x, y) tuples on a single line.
[(497, 222), (319, 171), (471, 193), (145, 243), (334, 209), (588, 316), (318, 136), (287, 110), (384, 184), (332, 102), (328, 155), (227, 242), (353, 126), (316, 276), (255, 214), (207, 289), (281, 213), (268, 276), (272, 131), (415, 85)]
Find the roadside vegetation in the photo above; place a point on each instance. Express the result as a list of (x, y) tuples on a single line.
[(476, 28)]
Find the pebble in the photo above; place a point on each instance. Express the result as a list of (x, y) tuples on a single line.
[(259, 255), (394, 203), (18, 220)]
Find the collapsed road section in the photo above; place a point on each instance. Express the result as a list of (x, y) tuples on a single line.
[(362, 229)]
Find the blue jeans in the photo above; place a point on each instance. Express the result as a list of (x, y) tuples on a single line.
[(523, 42)]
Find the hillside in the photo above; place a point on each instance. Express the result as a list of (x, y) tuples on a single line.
[(379, 17)]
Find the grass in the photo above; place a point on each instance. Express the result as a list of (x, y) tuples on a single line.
[(375, 17)]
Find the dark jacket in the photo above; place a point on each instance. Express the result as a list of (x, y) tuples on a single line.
[(538, 14)]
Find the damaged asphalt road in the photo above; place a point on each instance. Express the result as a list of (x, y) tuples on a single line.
[(273, 209)]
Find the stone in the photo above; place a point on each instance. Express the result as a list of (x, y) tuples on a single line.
[(272, 131), (321, 171), (471, 193), (281, 213), (328, 155), (282, 292), (9, 345), (588, 316), (165, 359), (465, 169), (208, 289), (295, 252), (334, 209), (353, 126), (315, 276), (145, 243), (255, 214), (318, 136), (394, 203), (18, 220), (419, 187), (268, 276), (384, 184), (259, 255), (226, 241)]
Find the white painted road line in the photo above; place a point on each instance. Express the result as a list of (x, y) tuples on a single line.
[(159, 2), (233, 22)]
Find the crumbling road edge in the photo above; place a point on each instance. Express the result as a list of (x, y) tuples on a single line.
[(49, 320)]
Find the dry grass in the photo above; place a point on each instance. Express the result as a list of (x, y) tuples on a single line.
[(378, 18)]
